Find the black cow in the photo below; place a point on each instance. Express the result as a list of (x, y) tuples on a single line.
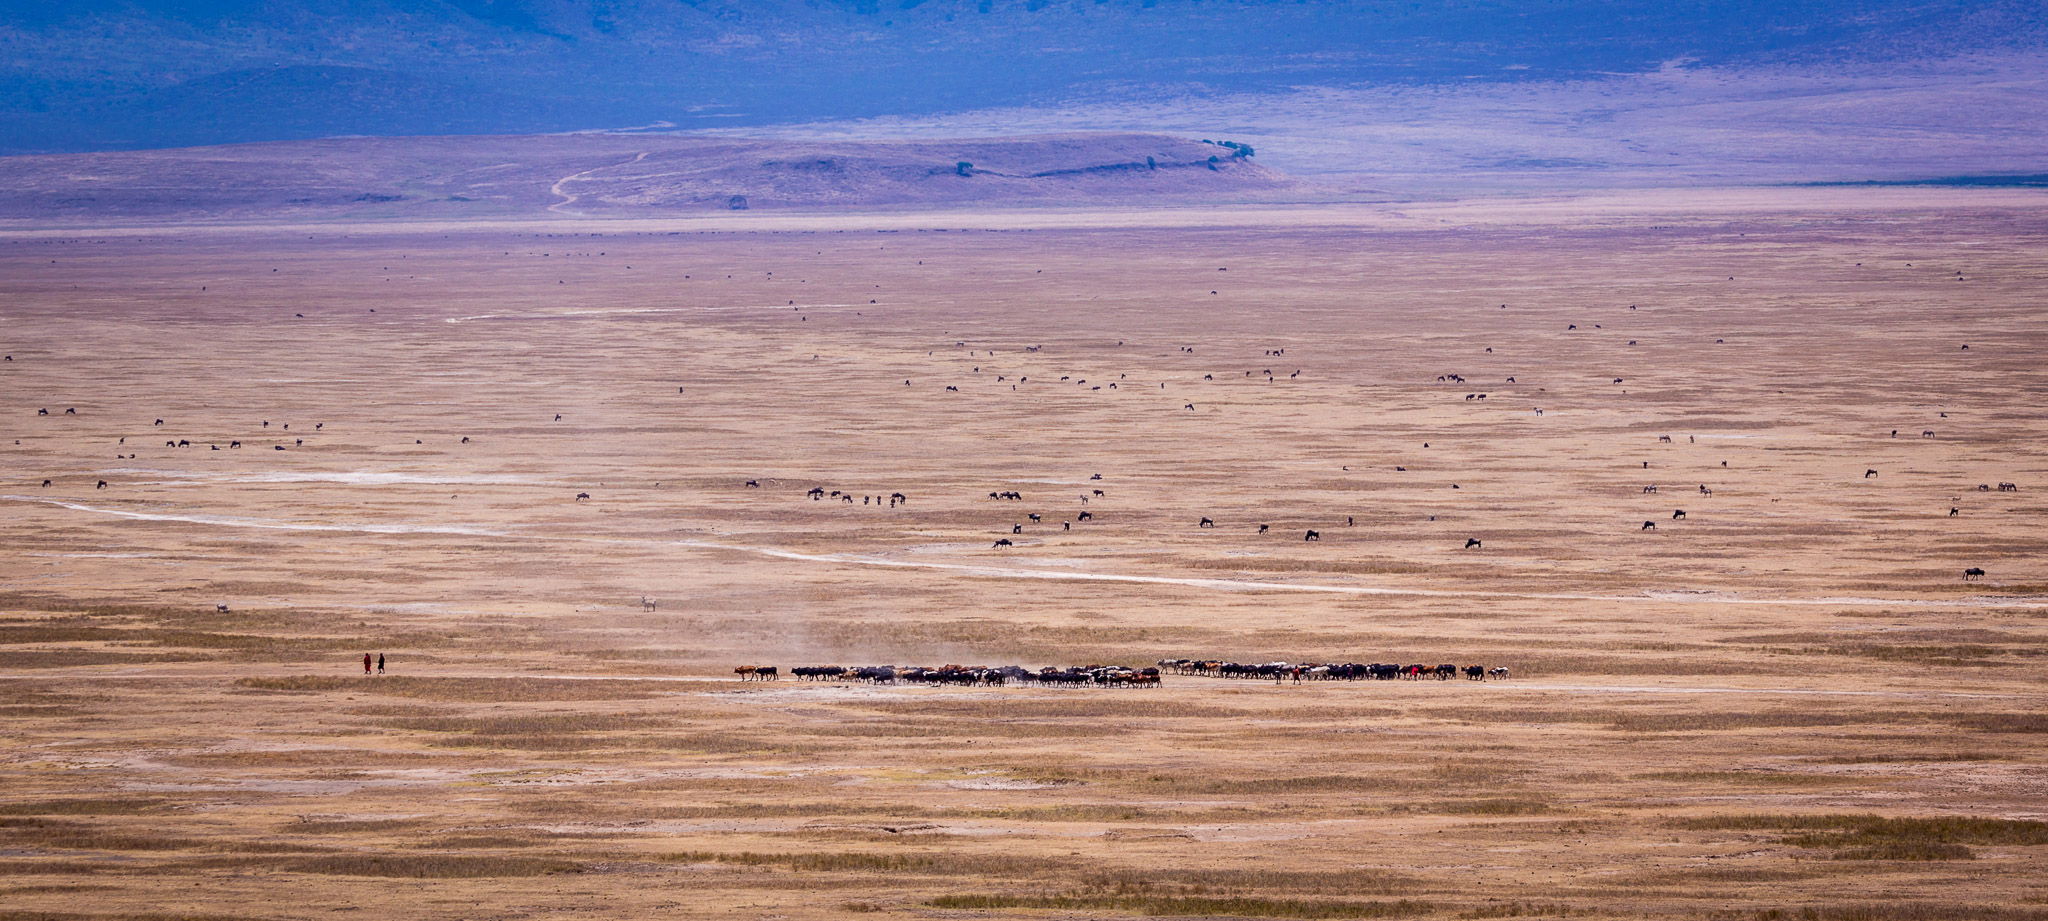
[(1972, 573)]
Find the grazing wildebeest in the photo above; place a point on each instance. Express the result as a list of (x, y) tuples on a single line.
[(1262, 529), (1664, 438), (1035, 517), (2008, 487), (1867, 474), (46, 483), (1984, 487), (1649, 489), (42, 412), (1704, 491), (220, 608), (1098, 492), (1206, 523), (103, 485), (1927, 433), (184, 443), (1679, 514), (1003, 542), (1473, 543), (1096, 477), (581, 496), (1085, 516), (1648, 526), (1972, 573), (70, 412), (1953, 511), (1313, 535), (1016, 529), (751, 484), (898, 497)]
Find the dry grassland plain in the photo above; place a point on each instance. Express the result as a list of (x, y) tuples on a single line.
[(1786, 705)]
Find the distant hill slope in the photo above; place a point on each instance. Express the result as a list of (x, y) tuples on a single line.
[(614, 175), (124, 74)]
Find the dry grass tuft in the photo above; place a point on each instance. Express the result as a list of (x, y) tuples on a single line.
[(1518, 910), (1869, 837), (1891, 911), (432, 866), (2007, 722), (1226, 906), (108, 806), (933, 864), (1760, 778), (58, 834)]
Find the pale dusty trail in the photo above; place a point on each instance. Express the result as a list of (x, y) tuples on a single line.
[(1670, 597), (569, 198)]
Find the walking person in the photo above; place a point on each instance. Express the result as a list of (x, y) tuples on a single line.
[(380, 663), (366, 663)]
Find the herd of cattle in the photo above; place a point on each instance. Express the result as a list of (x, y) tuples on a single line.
[(1118, 676), (1318, 671)]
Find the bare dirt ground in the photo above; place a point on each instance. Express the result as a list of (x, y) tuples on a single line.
[(1786, 704)]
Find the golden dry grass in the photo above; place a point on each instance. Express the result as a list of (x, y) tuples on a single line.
[(1732, 717)]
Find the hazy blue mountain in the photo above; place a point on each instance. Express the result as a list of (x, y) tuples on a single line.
[(109, 74)]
